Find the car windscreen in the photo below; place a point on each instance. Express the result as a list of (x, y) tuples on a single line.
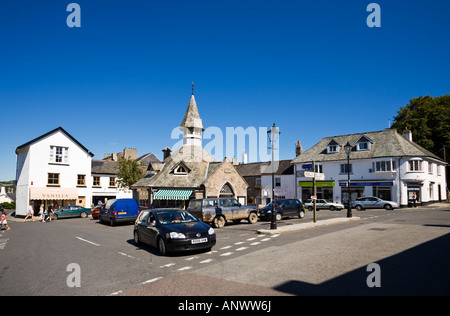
[(173, 217)]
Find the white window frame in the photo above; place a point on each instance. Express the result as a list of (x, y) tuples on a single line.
[(415, 165), (59, 154)]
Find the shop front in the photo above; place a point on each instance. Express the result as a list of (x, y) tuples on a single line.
[(58, 197), (380, 189), (324, 189)]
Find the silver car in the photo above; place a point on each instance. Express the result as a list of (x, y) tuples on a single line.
[(367, 202), (322, 204)]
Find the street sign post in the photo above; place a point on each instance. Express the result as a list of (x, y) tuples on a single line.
[(317, 175)]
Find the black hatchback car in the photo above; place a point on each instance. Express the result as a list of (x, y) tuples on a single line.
[(283, 208), (173, 230)]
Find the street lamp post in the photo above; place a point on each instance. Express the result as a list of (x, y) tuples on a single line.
[(348, 149), (273, 135)]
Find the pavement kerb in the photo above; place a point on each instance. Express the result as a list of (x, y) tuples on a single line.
[(296, 227)]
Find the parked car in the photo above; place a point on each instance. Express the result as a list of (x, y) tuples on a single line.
[(72, 211), (173, 230), (220, 210), (283, 208), (95, 211), (323, 204), (367, 202), (119, 210)]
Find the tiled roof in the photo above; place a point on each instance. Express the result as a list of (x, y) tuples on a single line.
[(387, 143)]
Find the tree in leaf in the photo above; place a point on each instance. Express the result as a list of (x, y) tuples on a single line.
[(429, 120), (129, 173)]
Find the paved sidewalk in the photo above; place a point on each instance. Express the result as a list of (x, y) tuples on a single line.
[(296, 227)]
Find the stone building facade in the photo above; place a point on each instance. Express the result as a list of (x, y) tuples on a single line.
[(189, 172)]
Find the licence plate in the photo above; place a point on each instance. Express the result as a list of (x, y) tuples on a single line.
[(122, 213), (198, 241)]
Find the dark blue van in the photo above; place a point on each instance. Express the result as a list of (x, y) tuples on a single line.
[(119, 210)]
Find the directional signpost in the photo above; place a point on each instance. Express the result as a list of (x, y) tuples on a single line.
[(315, 176)]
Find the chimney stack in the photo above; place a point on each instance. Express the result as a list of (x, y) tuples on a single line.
[(407, 134), (244, 157), (298, 149), (166, 152)]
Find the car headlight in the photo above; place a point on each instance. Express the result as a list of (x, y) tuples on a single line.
[(175, 235), (211, 231)]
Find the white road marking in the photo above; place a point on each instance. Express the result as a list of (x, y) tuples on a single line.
[(116, 293), (226, 247), (207, 261), (250, 239), (89, 242), (152, 280), (167, 265), (184, 268), (226, 254), (3, 243), (242, 248), (124, 254), (255, 243)]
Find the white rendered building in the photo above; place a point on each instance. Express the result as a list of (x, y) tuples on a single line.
[(384, 164), (53, 168)]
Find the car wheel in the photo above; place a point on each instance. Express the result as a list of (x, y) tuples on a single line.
[(310, 208), (278, 216), (219, 221), (112, 222), (83, 215), (332, 208), (252, 218), (388, 207), (359, 208), (136, 238), (162, 246), (301, 214)]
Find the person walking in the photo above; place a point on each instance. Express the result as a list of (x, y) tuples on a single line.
[(3, 221), (414, 198), (50, 212), (30, 213), (41, 213)]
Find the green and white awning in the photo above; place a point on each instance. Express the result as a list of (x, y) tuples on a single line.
[(172, 195)]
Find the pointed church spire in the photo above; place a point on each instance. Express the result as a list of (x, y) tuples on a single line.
[(192, 117)]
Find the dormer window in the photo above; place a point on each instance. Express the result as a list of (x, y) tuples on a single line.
[(332, 147), (363, 146), (181, 169), (363, 143)]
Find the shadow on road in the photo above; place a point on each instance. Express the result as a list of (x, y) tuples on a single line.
[(421, 270)]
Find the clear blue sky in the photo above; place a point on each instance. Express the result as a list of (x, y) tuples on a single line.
[(123, 79)]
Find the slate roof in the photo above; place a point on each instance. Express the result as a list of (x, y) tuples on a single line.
[(387, 143), (58, 129), (104, 167), (285, 167), (195, 158)]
